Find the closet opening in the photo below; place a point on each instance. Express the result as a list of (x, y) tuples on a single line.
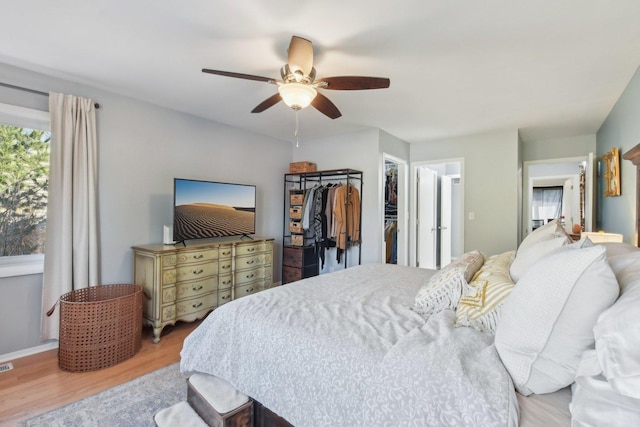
[(395, 211)]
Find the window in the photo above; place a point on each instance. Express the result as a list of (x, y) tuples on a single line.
[(24, 177), (546, 204)]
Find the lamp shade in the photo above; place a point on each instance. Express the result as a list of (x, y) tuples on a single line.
[(297, 95)]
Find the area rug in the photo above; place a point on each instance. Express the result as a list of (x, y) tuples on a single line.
[(132, 404)]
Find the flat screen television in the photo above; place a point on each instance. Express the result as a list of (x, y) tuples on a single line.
[(206, 209)]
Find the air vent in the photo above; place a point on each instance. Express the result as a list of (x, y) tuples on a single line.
[(5, 367)]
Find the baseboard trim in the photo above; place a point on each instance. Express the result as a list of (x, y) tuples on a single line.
[(50, 345)]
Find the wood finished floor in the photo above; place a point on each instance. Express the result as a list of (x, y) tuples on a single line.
[(36, 384)]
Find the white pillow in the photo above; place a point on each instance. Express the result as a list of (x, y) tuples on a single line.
[(595, 403), (617, 332), (547, 321), (527, 256), (550, 230)]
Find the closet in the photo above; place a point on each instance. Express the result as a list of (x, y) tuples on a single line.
[(322, 217), (391, 212)]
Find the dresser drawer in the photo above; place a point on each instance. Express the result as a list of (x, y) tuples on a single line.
[(194, 305), (168, 261), (225, 266), (197, 287), (169, 276), (243, 291), (197, 271), (247, 276), (225, 251), (168, 294), (168, 313), (225, 282), (249, 248), (224, 296), (196, 256), (249, 261)]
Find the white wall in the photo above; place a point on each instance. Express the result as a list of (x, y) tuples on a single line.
[(142, 147), (363, 151), (355, 150), (621, 129), (558, 148), (491, 185)]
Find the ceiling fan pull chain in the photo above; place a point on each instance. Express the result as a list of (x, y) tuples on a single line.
[(297, 129)]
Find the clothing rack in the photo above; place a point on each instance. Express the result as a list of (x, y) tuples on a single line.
[(305, 180), (37, 92)]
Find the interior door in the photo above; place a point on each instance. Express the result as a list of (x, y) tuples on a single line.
[(427, 217), (445, 219)]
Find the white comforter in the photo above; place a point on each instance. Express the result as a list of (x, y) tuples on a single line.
[(345, 349)]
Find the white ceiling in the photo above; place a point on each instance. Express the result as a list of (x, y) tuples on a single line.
[(549, 68)]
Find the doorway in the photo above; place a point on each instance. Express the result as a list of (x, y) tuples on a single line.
[(575, 176), (439, 211), (395, 211)]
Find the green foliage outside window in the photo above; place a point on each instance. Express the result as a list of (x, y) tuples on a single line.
[(24, 179)]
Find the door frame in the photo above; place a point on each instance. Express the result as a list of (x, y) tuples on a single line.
[(413, 190), (589, 208)]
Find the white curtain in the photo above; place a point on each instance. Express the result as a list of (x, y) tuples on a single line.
[(72, 258), (546, 203)]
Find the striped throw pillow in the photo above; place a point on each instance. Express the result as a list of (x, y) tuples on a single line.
[(481, 301)]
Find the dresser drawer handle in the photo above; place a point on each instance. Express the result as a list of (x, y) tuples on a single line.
[(251, 262), (196, 305), (248, 290), (251, 249), (226, 282), (198, 288), (249, 276), (198, 271), (226, 297), (198, 256), (226, 253), (224, 267)]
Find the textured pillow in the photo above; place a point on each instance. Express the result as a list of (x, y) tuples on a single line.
[(482, 299), (471, 262), (444, 288), (617, 332), (547, 321), (527, 256)]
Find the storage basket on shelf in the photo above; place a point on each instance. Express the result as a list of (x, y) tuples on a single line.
[(100, 326)]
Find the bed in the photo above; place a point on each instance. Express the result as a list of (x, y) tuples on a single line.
[(545, 335)]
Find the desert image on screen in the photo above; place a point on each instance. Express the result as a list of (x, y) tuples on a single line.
[(201, 220), (212, 209)]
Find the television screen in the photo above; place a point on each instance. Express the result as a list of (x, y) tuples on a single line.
[(204, 209)]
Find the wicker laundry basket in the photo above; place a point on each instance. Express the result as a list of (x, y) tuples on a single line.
[(100, 326)]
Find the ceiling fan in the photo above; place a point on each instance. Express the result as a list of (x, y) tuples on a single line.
[(299, 87)]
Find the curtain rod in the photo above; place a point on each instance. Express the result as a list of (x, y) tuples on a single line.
[(37, 92)]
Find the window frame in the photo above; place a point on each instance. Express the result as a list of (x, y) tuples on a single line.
[(23, 265)]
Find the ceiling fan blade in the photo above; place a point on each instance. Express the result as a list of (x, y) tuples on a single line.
[(239, 75), (300, 55), (326, 107), (355, 83), (267, 103)]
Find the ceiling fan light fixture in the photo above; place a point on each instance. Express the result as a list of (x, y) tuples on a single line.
[(297, 95)]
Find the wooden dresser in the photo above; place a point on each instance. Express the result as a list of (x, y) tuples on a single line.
[(186, 283)]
